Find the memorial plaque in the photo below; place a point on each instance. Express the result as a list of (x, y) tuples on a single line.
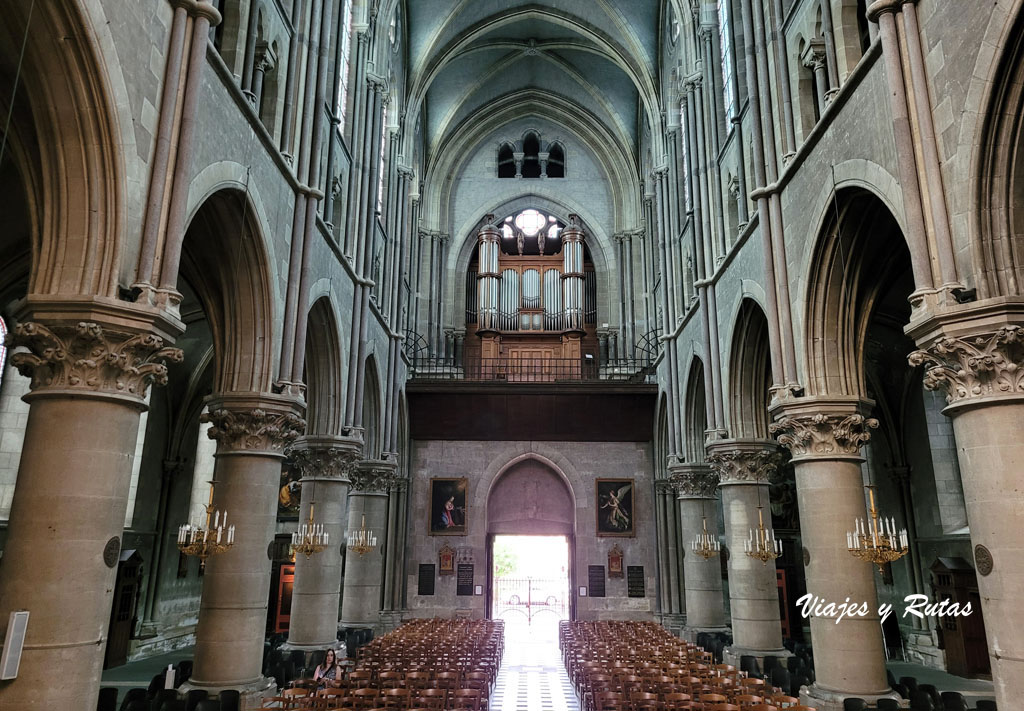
[(426, 580), (464, 579), (635, 581), (595, 580)]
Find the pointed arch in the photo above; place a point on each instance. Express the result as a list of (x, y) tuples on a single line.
[(860, 251), (371, 410), (324, 396), (224, 262), (998, 249), (696, 415), (750, 375), (66, 146)]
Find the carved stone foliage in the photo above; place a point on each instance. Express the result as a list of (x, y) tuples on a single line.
[(695, 484), (88, 357), (324, 462), (968, 368), (824, 434), (255, 429), (744, 466), (374, 476)]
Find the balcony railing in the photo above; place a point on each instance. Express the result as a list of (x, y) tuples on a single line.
[(535, 370)]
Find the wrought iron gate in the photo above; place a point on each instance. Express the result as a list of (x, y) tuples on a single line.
[(519, 600)]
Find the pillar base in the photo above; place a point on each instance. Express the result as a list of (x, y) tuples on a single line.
[(673, 622), (315, 647), (252, 693), (690, 633), (732, 654), (827, 700)]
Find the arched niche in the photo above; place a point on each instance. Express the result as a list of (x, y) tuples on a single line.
[(531, 498)]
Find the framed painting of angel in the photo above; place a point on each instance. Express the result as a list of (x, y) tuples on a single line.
[(615, 507)]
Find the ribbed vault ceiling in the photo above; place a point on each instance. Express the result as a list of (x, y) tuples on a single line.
[(466, 55)]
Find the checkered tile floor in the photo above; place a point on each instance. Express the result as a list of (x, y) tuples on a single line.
[(532, 677)]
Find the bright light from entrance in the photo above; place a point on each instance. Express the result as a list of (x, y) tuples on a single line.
[(531, 583)]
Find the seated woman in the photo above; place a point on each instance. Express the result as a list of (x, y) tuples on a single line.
[(328, 673)]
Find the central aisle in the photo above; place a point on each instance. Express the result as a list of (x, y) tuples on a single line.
[(532, 677)]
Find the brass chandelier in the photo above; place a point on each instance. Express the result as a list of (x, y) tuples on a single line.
[(762, 544), (877, 540), (311, 537), (204, 541), (705, 545), (362, 541)]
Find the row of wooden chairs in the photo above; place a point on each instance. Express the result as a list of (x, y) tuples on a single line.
[(640, 666), (433, 665)]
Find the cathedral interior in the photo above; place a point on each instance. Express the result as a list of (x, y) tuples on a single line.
[(498, 344)]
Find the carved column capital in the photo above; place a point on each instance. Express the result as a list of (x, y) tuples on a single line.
[(693, 481), (373, 476), (325, 456), (253, 422), (111, 351), (744, 461), (814, 54), (975, 368), (814, 428)]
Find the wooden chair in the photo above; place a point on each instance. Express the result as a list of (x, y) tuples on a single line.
[(467, 699), (609, 701), (644, 701), (416, 680), (676, 700), (785, 702), (431, 699), (747, 700), (391, 679), (395, 699), (365, 698)]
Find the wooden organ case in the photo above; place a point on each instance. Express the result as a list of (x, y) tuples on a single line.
[(531, 300)]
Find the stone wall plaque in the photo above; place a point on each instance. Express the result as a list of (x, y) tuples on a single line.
[(426, 579), (635, 581), (111, 551), (595, 580), (464, 579), (983, 559)]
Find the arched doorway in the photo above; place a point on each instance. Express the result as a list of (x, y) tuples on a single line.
[(530, 548)]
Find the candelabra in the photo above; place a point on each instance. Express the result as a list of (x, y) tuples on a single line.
[(878, 540), (204, 541), (762, 543), (362, 541), (311, 537), (705, 545)]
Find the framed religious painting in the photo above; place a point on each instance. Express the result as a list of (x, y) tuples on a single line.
[(448, 512), (614, 504)]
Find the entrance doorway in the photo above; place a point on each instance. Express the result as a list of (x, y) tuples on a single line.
[(530, 584)]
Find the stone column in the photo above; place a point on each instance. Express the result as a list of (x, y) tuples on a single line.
[(977, 357), (814, 59), (743, 468), (251, 431), (696, 485), (91, 364), (825, 436), (325, 462), (671, 608), (364, 574)]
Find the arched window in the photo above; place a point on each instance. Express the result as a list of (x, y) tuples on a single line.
[(346, 47), (556, 161), (863, 29), (531, 155), (725, 37), (506, 161), (3, 349)]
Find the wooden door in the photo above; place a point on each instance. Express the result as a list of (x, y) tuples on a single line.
[(122, 612), (976, 656), (283, 608)]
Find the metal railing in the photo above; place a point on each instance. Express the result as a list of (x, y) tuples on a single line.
[(535, 370), (523, 599)]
